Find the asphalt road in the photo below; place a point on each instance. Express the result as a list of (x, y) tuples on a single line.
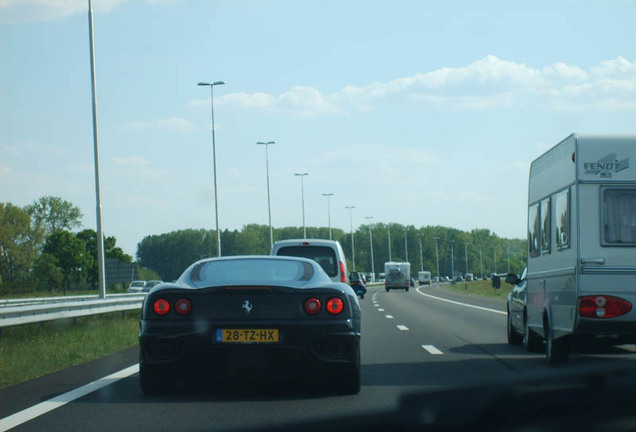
[(426, 339)]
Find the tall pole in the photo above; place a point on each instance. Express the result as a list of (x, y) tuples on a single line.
[(494, 255), (329, 195), (466, 256), (481, 264), (353, 246), (98, 200), (388, 231), (437, 255), (371, 245), (216, 194), (406, 244), (302, 199), (421, 256), (269, 205), (508, 257), (452, 259)]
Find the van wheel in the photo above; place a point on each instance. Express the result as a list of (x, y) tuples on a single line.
[(407, 289), (387, 289), (531, 341), (557, 351), (514, 338)]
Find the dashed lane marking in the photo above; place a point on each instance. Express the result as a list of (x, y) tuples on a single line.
[(389, 316), (402, 327), (432, 350)]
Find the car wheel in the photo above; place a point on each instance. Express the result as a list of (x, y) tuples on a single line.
[(154, 380), (350, 382), (531, 341), (387, 289), (407, 288), (514, 338), (557, 351)]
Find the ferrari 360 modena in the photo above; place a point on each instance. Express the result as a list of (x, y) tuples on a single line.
[(280, 318)]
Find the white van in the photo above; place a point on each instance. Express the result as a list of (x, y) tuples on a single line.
[(327, 253), (424, 277), (581, 275)]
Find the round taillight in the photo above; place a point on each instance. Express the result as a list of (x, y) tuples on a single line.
[(312, 306), (161, 307), (335, 306), (183, 306)]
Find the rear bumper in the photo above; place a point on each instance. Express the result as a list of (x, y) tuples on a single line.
[(610, 329), (303, 346)]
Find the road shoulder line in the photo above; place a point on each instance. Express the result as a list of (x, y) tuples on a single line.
[(461, 304)]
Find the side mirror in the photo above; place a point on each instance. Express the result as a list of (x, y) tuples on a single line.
[(512, 279), (496, 282)]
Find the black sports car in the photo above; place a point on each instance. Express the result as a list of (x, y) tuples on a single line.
[(228, 318)]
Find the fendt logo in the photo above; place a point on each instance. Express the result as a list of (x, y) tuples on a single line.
[(606, 166)]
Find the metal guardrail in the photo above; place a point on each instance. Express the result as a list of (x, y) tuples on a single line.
[(37, 310), (65, 299)]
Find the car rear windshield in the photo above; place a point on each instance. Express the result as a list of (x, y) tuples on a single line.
[(323, 255), (251, 270)]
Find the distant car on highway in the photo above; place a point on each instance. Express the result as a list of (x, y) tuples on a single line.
[(246, 318), (136, 286), (150, 284), (517, 324), (358, 283)]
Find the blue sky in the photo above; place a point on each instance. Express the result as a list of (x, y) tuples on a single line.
[(416, 112)]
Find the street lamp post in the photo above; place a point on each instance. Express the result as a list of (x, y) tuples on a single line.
[(329, 195), (437, 255), (216, 195), (466, 256), (269, 205), (353, 247), (421, 255), (101, 270), (406, 244), (388, 231), (371, 245), (494, 256), (452, 259), (481, 264), (302, 199)]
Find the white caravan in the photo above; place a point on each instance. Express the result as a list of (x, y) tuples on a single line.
[(397, 275), (581, 277)]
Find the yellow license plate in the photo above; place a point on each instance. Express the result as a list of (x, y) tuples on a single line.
[(247, 335)]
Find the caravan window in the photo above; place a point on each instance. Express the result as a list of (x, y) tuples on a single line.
[(619, 216), (562, 214), (545, 226), (534, 229)]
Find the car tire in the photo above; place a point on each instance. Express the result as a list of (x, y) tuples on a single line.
[(154, 379), (407, 289), (557, 351), (531, 341), (387, 289), (514, 338)]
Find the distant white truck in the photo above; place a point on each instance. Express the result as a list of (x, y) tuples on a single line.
[(424, 277), (581, 246), (397, 275)]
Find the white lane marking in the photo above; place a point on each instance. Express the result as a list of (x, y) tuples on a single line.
[(389, 316), (402, 327), (462, 304), (380, 310), (432, 350), (61, 400), (376, 305)]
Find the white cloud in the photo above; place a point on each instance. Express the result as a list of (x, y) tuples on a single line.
[(131, 161), (14, 11), (484, 84), (168, 124)]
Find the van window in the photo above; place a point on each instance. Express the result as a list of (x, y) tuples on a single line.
[(562, 214), (619, 216), (534, 228), (545, 226), (323, 255)]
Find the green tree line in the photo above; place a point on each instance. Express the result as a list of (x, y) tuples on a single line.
[(479, 251), (40, 252)]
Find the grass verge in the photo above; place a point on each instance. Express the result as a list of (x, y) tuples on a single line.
[(32, 350), (481, 288)]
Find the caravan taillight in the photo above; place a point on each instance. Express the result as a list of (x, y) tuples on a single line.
[(603, 306)]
